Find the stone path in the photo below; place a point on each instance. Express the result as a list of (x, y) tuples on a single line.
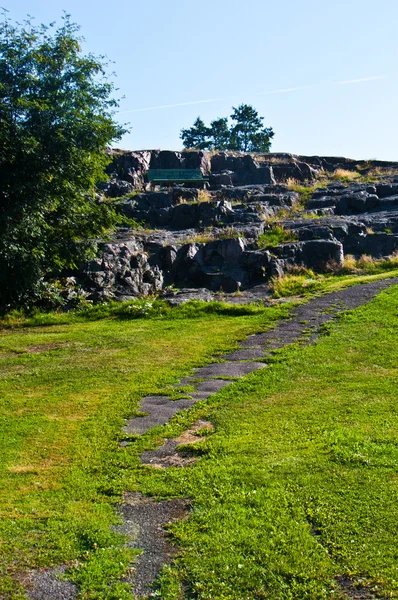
[(143, 518), (302, 327)]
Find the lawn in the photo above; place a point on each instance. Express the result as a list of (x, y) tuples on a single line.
[(66, 388), (294, 495)]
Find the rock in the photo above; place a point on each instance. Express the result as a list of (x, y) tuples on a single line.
[(375, 245), (165, 159), (130, 166), (184, 216), (314, 233), (257, 263), (228, 280), (230, 249), (219, 179), (322, 202), (122, 269), (385, 190), (116, 188), (352, 204), (181, 194), (357, 218), (313, 254), (197, 160)]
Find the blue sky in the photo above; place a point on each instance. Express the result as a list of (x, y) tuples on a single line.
[(323, 74)]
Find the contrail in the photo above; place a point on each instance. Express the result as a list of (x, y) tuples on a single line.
[(281, 91), (267, 93), (134, 110), (361, 80)]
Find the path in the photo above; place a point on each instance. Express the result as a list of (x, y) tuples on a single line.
[(143, 518)]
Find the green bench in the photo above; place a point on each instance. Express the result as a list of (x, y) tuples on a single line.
[(170, 176)]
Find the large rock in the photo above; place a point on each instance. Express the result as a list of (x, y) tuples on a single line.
[(130, 166), (122, 270), (166, 159), (116, 188), (197, 160), (356, 203), (313, 254), (375, 244)]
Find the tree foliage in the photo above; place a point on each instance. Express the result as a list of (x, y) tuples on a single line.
[(245, 134), (56, 120)]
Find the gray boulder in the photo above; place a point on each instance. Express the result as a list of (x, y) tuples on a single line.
[(313, 254)]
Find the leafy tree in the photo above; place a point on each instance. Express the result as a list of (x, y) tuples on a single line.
[(196, 136), (246, 133), (56, 120), (219, 134)]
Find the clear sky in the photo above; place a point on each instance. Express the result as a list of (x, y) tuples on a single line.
[(323, 73)]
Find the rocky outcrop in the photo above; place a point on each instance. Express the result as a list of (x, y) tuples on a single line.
[(235, 168), (209, 240)]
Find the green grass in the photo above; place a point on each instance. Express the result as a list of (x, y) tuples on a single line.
[(67, 383), (274, 236), (295, 487), (298, 485), (304, 282)]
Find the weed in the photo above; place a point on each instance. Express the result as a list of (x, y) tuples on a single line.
[(344, 175), (364, 265), (274, 236), (204, 196), (296, 284), (211, 235)]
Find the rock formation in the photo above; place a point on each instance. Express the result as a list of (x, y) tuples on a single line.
[(210, 240)]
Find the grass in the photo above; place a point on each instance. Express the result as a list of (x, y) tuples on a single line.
[(304, 282), (274, 236), (297, 488), (212, 235), (67, 383), (344, 176), (365, 265), (139, 308)]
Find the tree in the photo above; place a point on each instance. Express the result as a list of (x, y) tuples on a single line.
[(246, 133), (219, 134), (197, 136), (56, 121)]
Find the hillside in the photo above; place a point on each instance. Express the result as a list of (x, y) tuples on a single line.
[(234, 449), (258, 218)]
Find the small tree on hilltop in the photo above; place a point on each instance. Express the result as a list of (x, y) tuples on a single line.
[(246, 134), (196, 136), (56, 116), (219, 134)]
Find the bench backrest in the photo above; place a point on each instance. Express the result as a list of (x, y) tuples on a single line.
[(174, 175)]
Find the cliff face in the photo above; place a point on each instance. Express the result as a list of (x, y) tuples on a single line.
[(216, 239)]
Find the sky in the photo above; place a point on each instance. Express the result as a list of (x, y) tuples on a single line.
[(323, 74)]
